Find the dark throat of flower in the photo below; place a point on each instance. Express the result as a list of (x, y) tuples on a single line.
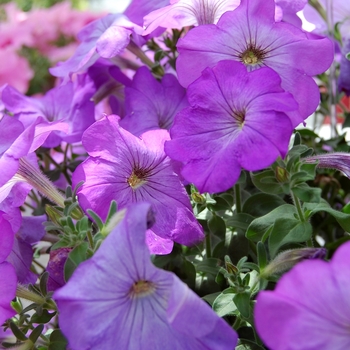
[(137, 178), (142, 288), (252, 55), (239, 117)]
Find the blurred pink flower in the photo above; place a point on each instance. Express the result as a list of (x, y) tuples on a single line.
[(16, 71)]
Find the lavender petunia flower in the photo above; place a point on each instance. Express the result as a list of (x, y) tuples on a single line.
[(16, 142), (309, 309), (119, 300), (234, 121), (250, 35), (70, 103), (55, 268), (21, 256), (344, 75), (138, 9), (183, 13), (151, 104), (128, 169), (337, 160), (106, 37), (8, 279)]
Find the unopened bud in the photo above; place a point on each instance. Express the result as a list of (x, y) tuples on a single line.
[(287, 259), (198, 198), (281, 174)]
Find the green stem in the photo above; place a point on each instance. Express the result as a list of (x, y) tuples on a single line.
[(238, 199), (319, 8), (208, 245), (298, 207)]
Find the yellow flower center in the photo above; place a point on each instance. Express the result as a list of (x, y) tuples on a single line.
[(142, 288)]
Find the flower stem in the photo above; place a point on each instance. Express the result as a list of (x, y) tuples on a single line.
[(298, 207), (238, 200)]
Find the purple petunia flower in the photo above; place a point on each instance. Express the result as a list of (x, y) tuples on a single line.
[(8, 279), (183, 13), (309, 309), (344, 75), (250, 35), (151, 104), (21, 256), (70, 103), (119, 300), (106, 37), (128, 169), (234, 121)]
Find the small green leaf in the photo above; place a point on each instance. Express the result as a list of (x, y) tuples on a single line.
[(45, 317), (240, 220), (75, 257), (223, 305), (242, 301), (36, 333), (262, 255), (266, 181), (17, 332), (307, 194), (57, 341), (208, 266), (260, 226), (217, 226), (288, 231), (262, 203), (342, 218)]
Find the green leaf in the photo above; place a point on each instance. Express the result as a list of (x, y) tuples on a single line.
[(244, 344), (217, 226), (36, 333), (260, 226), (262, 203), (262, 255), (288, 231), (242, 301), (45, 317), (266, 181), (17, 332), (223, 305), (57, 341), (240, 220), (307, 193), (209, 266), (342, 218), (75, 257)]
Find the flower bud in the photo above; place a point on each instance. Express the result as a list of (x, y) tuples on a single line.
[(287, 259)]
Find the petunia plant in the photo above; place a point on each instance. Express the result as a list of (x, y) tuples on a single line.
[(171, 190)]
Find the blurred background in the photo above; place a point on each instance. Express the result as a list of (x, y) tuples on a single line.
[(95, 5)]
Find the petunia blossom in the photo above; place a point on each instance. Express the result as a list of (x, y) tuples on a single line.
[(151, 104), (70, 103), (128, 169), (234, 121), (250, 35), (310, 308), (183, 13), (106, 37), (119, 300), (8, 279)]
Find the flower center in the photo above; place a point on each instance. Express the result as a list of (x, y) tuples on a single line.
[(239, 116), (252, 55), (137, 178), (142, 288)]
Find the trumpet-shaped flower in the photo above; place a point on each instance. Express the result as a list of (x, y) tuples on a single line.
[(250, 35), (119, 300), (131, 170), (183, 13), (309, 309), (106, 37), (151, 104), (233, 122)]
